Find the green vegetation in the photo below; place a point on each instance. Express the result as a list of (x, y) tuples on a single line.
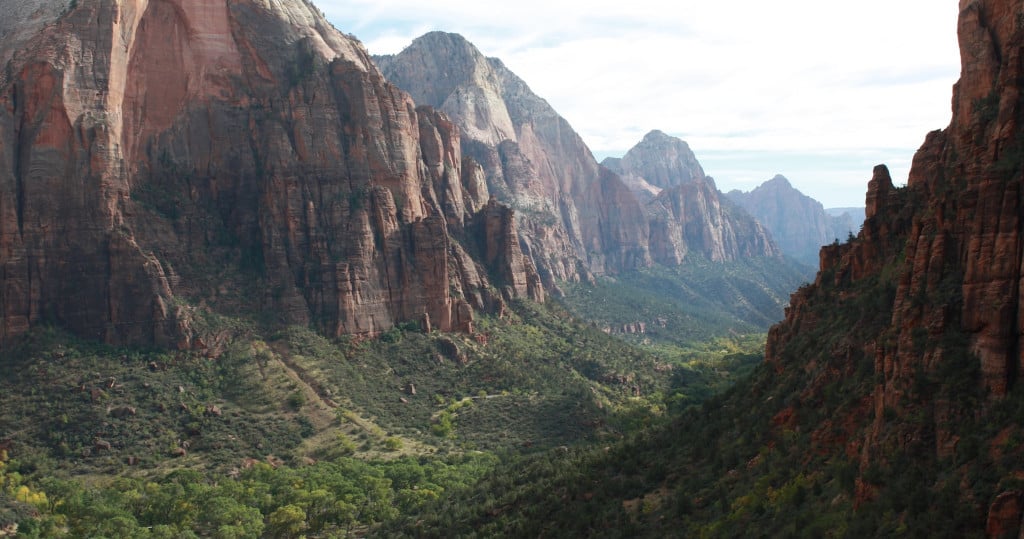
[(289, 434), (796, 449), (694, 302), (324, 499)]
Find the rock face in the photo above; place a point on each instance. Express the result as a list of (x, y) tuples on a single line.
[(694, 217), (797, 222), (654, 205), (244, 155), (578, 219), (661, 160), (950, 245), (687, 212)]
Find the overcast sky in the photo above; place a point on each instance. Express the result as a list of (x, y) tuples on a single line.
[(817, 91)]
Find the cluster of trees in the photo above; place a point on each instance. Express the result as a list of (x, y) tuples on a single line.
[(326, 499), (537, 382)]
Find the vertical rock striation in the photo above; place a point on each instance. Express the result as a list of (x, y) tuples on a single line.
[(687, 212), (159, 155), (577, 219)]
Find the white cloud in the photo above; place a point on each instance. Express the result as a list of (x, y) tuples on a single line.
[(791, 76)]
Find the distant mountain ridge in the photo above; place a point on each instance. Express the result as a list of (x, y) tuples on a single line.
[(579, 218), (661, 160), (800, 224), (687, 208), (247, 157), (891, 399)]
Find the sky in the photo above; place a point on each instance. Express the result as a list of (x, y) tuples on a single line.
[(819, 92)]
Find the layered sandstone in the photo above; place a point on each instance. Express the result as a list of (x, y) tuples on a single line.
[(160, 157)]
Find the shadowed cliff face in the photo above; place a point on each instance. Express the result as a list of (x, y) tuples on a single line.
[(155, 155), (950, 245)]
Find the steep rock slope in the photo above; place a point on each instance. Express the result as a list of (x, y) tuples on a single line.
[(942, 259), (579, 219), (799, 224), (890, 403), (695, 217), (159, 158), (661, 160), (687, 212)]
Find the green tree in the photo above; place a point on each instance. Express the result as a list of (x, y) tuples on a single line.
[(287, 521), (225, 518)]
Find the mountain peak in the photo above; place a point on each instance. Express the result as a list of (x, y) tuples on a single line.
[(440, 40), (658, 135), (660, 138), (798, 222), (449, 73), (663, 160)]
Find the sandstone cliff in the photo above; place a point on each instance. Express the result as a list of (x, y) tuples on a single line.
[(660, 160), (578, 219), (687, 212), (799, 224), (695, 218), (941, 260), (159, 158)]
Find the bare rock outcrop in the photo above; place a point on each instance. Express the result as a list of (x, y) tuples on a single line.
[(661, 160), (162, 157), (688, 213), (576, 219), (693, 217)]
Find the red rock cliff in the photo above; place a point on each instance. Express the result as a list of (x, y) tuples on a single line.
[(950, 243), (156, 156)]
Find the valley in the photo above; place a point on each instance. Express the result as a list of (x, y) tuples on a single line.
[(257, 282)]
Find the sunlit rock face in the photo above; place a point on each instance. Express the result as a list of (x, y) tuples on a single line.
[(159, 158), (661, 160), (577, 219), (687, 212), (654, 205)]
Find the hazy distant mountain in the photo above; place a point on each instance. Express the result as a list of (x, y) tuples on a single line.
[(578, 218), (662, 160), (799, 224), (890, 401), (686, 207)]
